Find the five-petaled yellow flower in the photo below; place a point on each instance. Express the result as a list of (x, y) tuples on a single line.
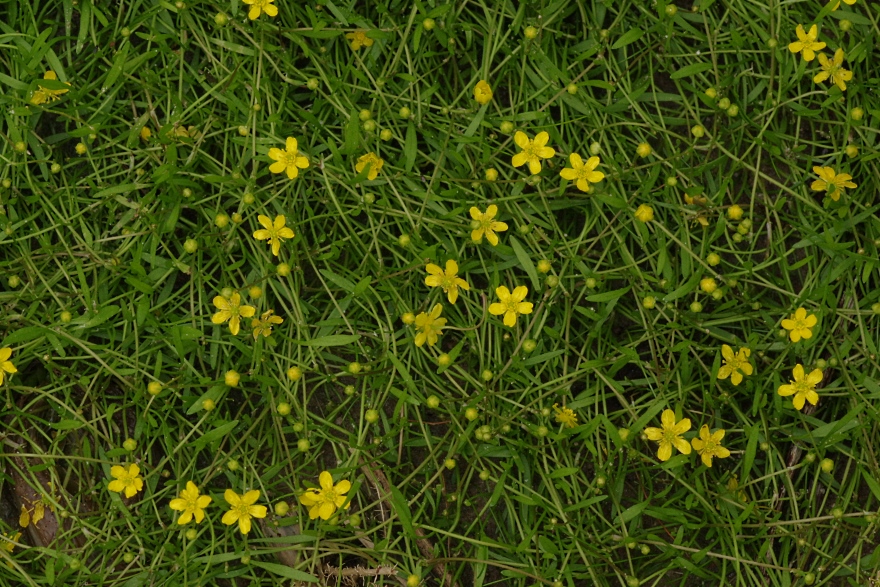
[(260, 6), (709, 445), (43, 94), (803, 387), (448, 280), (831, 182), (485, 224), (373, 161), (263, 324), (584, 173), (323, 502), (6, 365), (511, 304), (232, 310), (565, 416), (276, 231), (806, 44), (670, 435), (833, 69), (800, 325), (532, 150), (288, 160), (430, 326), (126, 480), (734, 363), (644, 213), (359, 39), (242, 509), (482, 92), (191, 504)]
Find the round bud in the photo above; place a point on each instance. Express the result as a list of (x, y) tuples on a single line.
[(354, 367), (590, 283), (281, 508), (645, 549), (724, 103), (433, 402), (529, 345), (404, 240), (772, 43), (371, 416), (471, 414), (55, 168), (632, 581), (14, 281), (552, 281), (370, 126), (130, 444), (487, 375), (298, 427), (672, 181), (255, 292), (221, 220), (827, 465), (444, 360), (208, 405), (837, 513), (648, 302), (525, 229), (671, 9), (851, 151), (294, 373), (623, 433), (484, 475), (127, 557), (735, 212), (491, 174), (404, 112), (429, 24), (543, 266), (601, 480), (572, 89), (845, 25), (408, 318), (365, 115), (81, 149), (312, 84), (354, 520), (696, 307), (809, 578), (413, 581), (283, 269), (221, 19), (386, 134), (283, 409), (708, 285), (712, 93), (190, 246), (302, 445), (449, 464), (643, 150), (256, 107), (698, 131), (717, 294), (6, 183), (243, 130), (833, 361), (595, 148), (530, 32), (733, 110), (66, 316), (506, 127), (856, 113), (154, 388)]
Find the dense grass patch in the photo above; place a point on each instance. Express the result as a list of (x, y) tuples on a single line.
[(187, 290)]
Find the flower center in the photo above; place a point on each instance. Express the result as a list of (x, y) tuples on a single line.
[(290, 158), (709, 446), (800, 324), (735, 363), (447, 283), (512, 306), (531, 151), (243, 511), (802, 387), (329, 495)]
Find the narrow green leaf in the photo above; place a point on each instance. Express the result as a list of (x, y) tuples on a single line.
[(332, 340), (283, 571), (630, 36), (692, 69), (215, 434), (410, 148), (401, 508), (526, 262)]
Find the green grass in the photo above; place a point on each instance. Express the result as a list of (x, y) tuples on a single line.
[(101, 236)]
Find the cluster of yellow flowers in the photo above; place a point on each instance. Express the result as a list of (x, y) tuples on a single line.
[(243, 508)]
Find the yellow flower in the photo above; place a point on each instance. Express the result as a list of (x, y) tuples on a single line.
[(359, 39), (482, 92), (259, 6), (831, 182), (43, 94), (803, 387), (734, 363), (430, 326), (6, 365), (323, 502), (373, 161), (288, 160), (584, 173), (485, 224), (532, 150), (126, 480), (565, 416), (806, 44), (9, 544), (644, 213), (670, 435), (449, 281), (834, 70), (275, 232), (837, 4), (242, 509), (800, 325), (263, 324), (232, 310), (511, 304), (191, 504), (709, 445)]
